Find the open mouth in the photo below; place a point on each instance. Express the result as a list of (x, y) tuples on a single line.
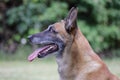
[(43, 51)]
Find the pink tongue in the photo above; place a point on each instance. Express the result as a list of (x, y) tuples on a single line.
[(32, 56)]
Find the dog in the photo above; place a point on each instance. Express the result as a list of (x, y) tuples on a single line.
[(75, 57)]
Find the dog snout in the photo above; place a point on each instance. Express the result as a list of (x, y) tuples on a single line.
[(30, 38), (34, 39)]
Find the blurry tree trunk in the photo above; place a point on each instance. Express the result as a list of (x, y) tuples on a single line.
[(5, 32)]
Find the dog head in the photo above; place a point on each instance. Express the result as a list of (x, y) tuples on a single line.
[(56, 37)]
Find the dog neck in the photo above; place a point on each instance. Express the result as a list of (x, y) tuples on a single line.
[(74, 57)]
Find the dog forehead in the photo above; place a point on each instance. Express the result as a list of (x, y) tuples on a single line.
[(60, 26)]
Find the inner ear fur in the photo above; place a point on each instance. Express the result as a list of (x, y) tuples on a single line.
[(71, 20)]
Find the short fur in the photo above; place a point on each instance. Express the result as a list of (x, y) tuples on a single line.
[(77, 60)]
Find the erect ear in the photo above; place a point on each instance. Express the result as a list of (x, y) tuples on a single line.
[(70, 20)]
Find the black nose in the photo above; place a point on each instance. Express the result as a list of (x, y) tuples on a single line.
[(30, 38)]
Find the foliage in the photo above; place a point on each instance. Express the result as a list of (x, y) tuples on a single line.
[(100, 36), (31, 16), (99, 20), (101, 23)]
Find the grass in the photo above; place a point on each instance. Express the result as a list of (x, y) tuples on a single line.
[(44, 69), (23, 70), (21, 54), (16, 66), (113, 65)]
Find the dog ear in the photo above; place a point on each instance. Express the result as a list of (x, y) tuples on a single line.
[(70, 20)]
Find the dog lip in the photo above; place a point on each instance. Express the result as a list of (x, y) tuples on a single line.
[(43, 43), (46, 42)]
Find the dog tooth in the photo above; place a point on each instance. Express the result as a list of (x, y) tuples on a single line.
[(46, 50), (51, 47)]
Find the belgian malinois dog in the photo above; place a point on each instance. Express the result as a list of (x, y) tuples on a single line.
[(75, 57)]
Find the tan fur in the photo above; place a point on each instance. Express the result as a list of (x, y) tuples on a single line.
[(79, 62)]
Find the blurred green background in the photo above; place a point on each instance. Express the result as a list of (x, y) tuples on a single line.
[(99, 20)]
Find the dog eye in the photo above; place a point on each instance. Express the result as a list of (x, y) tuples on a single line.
[(52, 30)]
